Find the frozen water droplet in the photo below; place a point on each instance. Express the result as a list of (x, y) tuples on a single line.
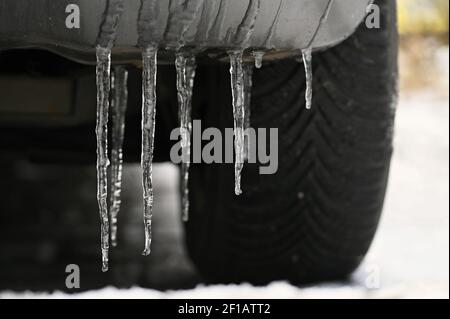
[(149, 70), (119, 107), (185, 66), (258, 55), (307, 61), (103, 88), (237, 88)]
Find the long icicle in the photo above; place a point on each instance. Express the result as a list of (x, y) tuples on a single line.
[(248, 84), (149, 60), (119, 107), (103, 88), (237, 88), (105, 42), (307, 62), (185, 66)]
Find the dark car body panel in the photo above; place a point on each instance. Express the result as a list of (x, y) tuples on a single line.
[(284, 25)]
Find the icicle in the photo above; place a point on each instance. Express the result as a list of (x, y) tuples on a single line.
[(149, 60), (258, 55), (237, 88), (248, 84), (119, 107), (103, 88), (186, 66), (307, 61), (307, 56), (105, 42)]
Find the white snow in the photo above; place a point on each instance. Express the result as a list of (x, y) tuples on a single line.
[(412, 246)]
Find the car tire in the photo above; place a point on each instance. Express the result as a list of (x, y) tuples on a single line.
[(315, 218)]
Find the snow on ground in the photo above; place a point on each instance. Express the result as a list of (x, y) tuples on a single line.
[(412, 246), (410, 255)]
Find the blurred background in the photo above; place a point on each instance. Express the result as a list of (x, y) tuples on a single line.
[(423, 27), (409, 258)]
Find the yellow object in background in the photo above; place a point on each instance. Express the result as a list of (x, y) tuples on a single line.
[(423, 16)]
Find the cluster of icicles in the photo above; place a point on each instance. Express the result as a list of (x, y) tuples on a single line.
[(241, 83)]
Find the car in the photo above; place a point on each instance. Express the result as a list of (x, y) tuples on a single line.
[(312, 220)]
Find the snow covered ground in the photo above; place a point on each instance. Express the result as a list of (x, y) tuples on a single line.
[(410, 255), (411, 249)]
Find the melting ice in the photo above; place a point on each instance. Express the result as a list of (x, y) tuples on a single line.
[(237, 89), (105, 41), (149, 69), (248, 84), (103, 88), (307, 56), (119, 107), (241, 83), (307, 61), (258, 55), (185, 66)]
